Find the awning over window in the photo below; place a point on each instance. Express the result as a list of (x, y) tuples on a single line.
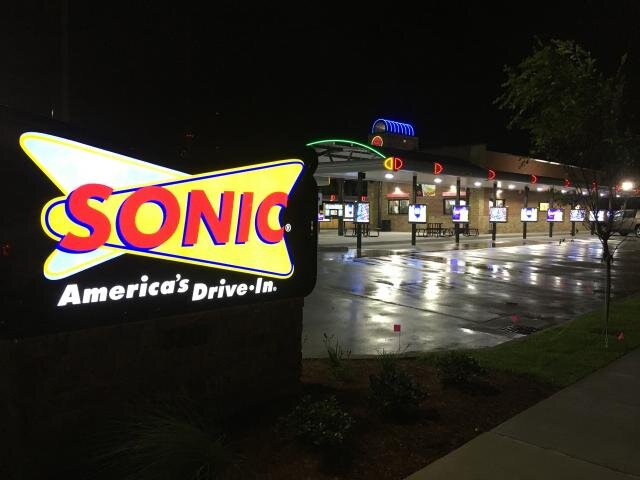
[(397, 196), (463, 193)]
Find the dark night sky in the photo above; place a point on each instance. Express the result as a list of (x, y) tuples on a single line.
[(145, 74)]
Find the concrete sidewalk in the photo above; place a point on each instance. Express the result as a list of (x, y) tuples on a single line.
[(589, 430)]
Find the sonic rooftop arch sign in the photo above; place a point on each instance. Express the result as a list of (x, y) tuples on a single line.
[(122, 237)]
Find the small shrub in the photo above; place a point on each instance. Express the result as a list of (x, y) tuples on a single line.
[(321, 423), (458, 368), (388, 360), (158, 446), (338, 359), (393, 391)]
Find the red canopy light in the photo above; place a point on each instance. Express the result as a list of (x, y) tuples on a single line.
[(567, 182), (491, 174), (534, 178), (437, 168)]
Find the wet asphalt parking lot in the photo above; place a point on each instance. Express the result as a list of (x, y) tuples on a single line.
[(447, 297)]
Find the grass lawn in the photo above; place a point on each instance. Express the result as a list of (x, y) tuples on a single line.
[(563, 354)]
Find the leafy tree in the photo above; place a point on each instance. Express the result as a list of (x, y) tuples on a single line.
[(575, 116)]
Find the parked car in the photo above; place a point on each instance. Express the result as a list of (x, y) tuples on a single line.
[(626, 221)]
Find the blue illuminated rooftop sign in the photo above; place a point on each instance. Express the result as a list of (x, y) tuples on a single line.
[(382, 125)]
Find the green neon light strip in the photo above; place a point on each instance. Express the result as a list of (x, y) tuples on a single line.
[(351, 142)]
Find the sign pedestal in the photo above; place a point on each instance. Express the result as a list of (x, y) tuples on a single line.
[(58, 390)]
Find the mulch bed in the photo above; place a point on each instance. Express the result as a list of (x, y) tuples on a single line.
[(381, 448)]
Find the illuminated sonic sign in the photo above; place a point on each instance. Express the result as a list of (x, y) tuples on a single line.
[(129, 239), (210, 219)]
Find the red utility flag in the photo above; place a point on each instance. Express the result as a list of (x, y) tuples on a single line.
[(396, 328)]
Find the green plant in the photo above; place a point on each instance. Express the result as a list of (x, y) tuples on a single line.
[(458, 368), (394, 391), (563, 354), (338, 359), (388, 360), (321, 423), (162, 446)]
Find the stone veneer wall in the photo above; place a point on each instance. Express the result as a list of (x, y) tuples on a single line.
[(55, 389)]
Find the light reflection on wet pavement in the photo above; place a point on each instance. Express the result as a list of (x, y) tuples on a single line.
[(454, 298)]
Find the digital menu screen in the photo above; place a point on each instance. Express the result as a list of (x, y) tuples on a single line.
[(529, 215), (349, 211), (555, 215), (460, 214), (333, 209), (498, 214), (417, 213), (600, 216), (362, 212), (577, 215)]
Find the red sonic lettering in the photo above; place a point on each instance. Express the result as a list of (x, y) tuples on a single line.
[(78, 210), (199, 211), (128, 231)]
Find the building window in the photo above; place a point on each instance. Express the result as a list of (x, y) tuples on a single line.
[(448, 203), (543, 206), (398, 206), (499, 202)]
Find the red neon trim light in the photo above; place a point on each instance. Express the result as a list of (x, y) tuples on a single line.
[(393, 163), (377, 141), (491, 175), (534, 178), (437, 168)]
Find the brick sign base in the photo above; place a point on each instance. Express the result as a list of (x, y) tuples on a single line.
[(54, 389)]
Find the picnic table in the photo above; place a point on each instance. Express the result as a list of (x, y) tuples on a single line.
[(366, 229), (468, 231), (434, 229)]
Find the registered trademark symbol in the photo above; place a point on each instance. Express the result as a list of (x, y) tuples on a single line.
[(287, 227)]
